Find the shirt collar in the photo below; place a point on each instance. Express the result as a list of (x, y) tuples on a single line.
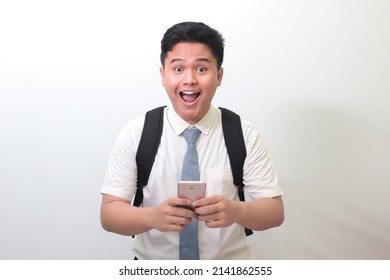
[(204, 125)]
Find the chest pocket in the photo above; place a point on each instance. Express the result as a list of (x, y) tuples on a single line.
[(219, 181)]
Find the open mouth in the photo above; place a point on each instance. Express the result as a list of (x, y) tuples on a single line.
[(189, 96)]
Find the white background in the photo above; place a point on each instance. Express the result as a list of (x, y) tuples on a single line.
[(314, 76)]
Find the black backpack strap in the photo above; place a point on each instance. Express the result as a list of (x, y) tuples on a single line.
[(147, 149), (235, 145)]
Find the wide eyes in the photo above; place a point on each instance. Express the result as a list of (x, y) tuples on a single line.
[(178, 69), (200, 69)]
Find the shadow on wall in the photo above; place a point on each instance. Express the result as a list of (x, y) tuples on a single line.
[(333, 165)]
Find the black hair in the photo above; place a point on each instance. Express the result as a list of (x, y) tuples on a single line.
[(193, 32)]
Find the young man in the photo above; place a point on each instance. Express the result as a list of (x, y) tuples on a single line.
[(191, 57)]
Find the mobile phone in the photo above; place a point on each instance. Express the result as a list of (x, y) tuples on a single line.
[(192, 190)]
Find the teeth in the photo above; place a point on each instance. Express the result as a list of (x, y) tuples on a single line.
[(188, 92)]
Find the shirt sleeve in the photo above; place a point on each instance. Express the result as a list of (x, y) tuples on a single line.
[(260, 177), (121, 175)]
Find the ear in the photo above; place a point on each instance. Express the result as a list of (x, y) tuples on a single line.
[(219, 76), (162, 73)]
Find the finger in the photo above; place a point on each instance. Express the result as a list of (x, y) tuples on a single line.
[(182, 221), (209, 200), (184, 212), (214, 224), (176, 201), (208, 217), (174, 228), (175, 224), (207, 210)]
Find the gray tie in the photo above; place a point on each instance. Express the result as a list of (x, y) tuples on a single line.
[(189, 236)]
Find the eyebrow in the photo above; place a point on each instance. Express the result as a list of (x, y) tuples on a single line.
[(202, 59)]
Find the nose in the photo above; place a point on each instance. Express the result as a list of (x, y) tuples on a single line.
[(189, 78)]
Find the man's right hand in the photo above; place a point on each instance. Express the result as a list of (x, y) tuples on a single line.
[(172, 215)]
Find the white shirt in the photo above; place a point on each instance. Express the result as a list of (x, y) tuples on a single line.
[(259, 178)]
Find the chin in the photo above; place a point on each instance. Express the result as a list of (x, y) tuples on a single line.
[(190, 115)]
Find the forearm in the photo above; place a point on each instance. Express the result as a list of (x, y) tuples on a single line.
[(122, 218), (117, 215), (261, 214)]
